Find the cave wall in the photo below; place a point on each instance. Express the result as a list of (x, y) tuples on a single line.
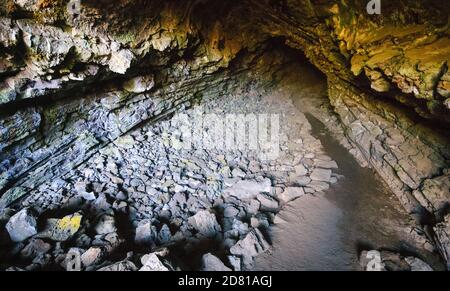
[(74, 80)]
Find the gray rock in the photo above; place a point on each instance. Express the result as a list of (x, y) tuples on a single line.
[(91, 256), (230, 211), (291, 193), (267, 203), (151, 262), (300, 170), (106, 224), (205, 223), (21, 225), (62, 229), (326, 164), (145, 233), (238, 173), (139, 84), (323, 175), (213, 263), (318, 186), (119, 267), (249, 247), (235, 262), (164, 235), (417, 264), (248, 189), (120, 61), (302, 180), (36, 247)]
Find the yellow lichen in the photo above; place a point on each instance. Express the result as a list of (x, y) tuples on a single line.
[(70, 223)]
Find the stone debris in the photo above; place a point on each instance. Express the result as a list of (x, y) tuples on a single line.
[(145, 232), (291, 193), (249, 247), (62, 229), (106, 224), (375, 260), (139, 84), (267, 203), (162, 194), (119, 267), (35, 248), (213, 263), (205, 223), (248, 189), (323, 175), (92, 256), (21, 225), (417, 264), (151, 262)]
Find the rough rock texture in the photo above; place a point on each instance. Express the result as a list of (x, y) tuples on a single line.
[(76, 82)]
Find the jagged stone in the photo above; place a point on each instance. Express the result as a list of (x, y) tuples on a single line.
[(205, 223), (22, 225), (92, 256), (62, 229), (145, 233), (151, 262), (323, 175), (248, 189), (120, 61), (417, 264), (213, 263), (291, 193), (106, 224), (250, 246), (119, 267)]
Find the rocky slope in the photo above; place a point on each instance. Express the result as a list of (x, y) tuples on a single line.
[(77, 80)]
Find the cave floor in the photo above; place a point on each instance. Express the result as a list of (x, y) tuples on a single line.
[(311, 201)]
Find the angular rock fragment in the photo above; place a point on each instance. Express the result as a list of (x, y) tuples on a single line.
[(61, 229), (267, 203), (205, 223), (417, 264), (323, 175), (106, 224), (145, 233), (119, 267), (92, 256), (120, 61), (247, 248), (151, 262), (36, 247), (248, 189), (213, 263), (139, 84), (326, 164), (21, 225), (291, 193)]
